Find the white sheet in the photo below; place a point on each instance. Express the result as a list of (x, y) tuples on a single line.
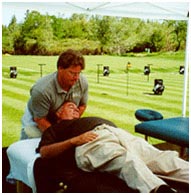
[(22, 156)]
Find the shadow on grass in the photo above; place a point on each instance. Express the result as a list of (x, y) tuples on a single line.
[(146, 93)]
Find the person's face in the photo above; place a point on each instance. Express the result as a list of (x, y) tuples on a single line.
[(68, 111), (68, 77)]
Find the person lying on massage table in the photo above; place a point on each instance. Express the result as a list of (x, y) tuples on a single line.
[(59, 172), (101, 146)]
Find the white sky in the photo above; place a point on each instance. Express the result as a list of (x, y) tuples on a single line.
[(19, 9)]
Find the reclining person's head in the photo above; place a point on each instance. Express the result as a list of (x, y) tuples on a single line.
[(68, 110)]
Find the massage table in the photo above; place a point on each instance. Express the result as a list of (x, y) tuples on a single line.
[(22, 156), (173, 130)]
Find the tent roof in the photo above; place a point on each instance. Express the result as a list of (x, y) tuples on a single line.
[(158, 10), (144, 10)]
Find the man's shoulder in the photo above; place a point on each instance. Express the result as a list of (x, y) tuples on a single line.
[(45, 81), (83, 80)]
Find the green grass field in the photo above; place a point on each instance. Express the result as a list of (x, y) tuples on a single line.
[(115, 97)]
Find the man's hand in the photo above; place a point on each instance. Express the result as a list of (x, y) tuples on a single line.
[(83, 138), (42, 123)]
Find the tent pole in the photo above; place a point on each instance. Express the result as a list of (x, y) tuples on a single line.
[(186, 70)]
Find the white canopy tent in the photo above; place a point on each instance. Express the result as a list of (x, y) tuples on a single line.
[(125, 8), (175, 11), (144, 10)]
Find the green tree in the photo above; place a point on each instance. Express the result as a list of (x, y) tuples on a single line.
[(175, 34), (36, 35), (48, 35), (153, 36), (9, 35), (58, 25), (102, 30), (135, 34), (7, 44), (75, 27)]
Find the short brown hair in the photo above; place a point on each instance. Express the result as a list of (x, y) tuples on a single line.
[(70, 58)]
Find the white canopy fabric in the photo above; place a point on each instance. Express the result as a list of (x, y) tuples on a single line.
[(144, 10), (168, 11), (124, 8)]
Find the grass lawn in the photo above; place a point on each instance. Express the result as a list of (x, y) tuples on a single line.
[(115, 97)]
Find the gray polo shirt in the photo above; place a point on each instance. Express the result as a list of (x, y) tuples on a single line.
[(47, 95)]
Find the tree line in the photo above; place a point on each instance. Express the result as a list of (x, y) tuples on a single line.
[(49, 35)]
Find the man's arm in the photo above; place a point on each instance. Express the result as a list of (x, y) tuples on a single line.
[(48, 151), (42, 123), (82, 109)]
